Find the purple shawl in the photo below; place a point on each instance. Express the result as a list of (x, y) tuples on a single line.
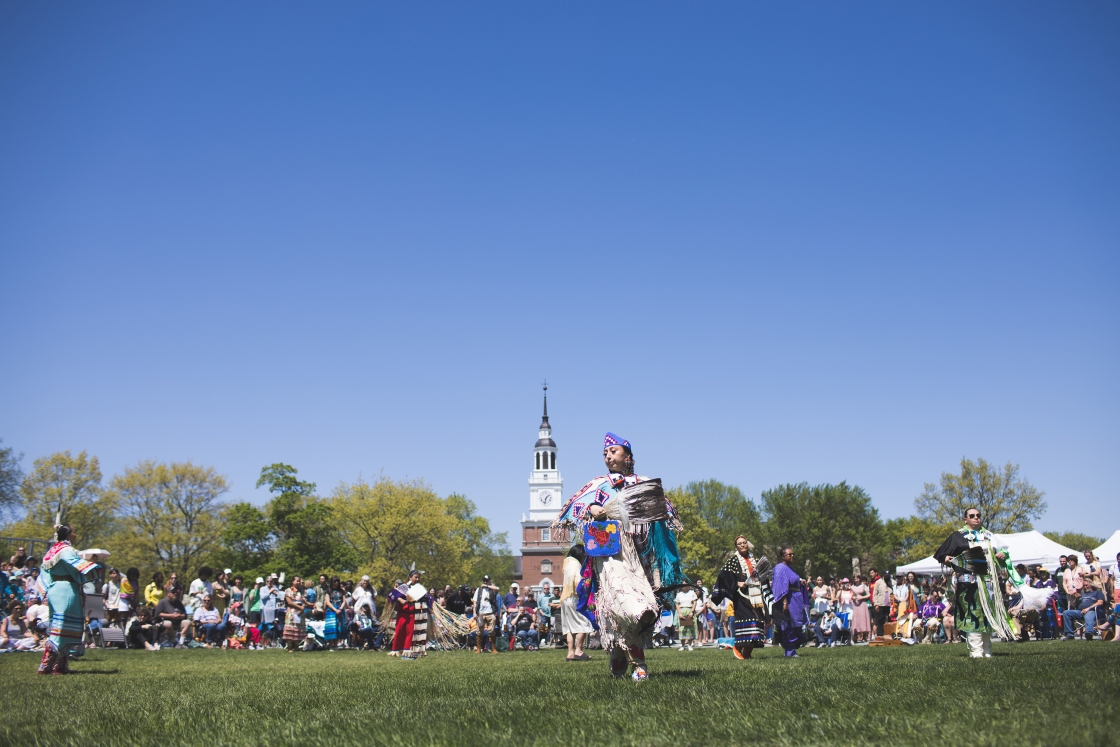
[(786, 578)]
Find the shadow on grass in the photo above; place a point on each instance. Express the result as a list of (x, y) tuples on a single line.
[(679, 673), (95, 671)]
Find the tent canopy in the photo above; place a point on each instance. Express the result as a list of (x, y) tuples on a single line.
[(1029, 548), (1106, 553)]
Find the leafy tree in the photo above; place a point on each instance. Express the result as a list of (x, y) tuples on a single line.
[(11, 475), (170, 515), (306, 539), (713, 514), (1007, 502), (246, 539), (827, 525), (911, 538), (70, 486), (391, 525), (1077, 541), (486, 553)]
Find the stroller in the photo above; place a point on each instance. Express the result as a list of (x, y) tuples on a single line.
[(315, 640)]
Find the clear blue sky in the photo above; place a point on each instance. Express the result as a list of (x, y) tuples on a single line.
[(766, 242)]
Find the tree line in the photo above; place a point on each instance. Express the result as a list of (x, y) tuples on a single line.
[(172, 517)]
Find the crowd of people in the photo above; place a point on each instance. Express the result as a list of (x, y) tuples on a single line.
[(218, 609), (623, 591)]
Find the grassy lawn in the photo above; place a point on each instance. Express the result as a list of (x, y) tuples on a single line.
[(1034, 694)]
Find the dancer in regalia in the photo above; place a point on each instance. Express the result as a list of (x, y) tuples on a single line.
[(626, 585), (411, 602), (976, 561), (790, 605), (64, 573), (740, 582)]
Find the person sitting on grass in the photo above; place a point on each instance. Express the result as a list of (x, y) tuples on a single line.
[(171, 615), (142, 630), (14, 635)]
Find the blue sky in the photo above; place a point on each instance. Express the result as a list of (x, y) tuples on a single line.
[(767, 243)]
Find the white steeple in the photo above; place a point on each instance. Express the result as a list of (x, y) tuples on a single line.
[(546, 487)]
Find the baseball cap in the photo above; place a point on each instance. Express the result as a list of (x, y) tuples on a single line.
[(260, 580)]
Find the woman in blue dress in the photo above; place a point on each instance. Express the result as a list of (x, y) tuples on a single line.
[(790, 604), (334, 618), (64, 574)]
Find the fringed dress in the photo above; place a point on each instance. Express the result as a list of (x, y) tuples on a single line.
[(411, 633), (748, 602), (622, 600), (63, 574)]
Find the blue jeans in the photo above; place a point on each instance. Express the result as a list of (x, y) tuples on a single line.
[(832, 635), (529, 637), (1089, 617), (214, 632)]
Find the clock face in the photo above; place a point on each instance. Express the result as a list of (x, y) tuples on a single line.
[(546, 497)]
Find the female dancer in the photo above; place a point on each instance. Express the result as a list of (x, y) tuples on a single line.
[(739, 582)]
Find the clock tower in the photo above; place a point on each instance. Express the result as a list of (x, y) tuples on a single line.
[(541, 557)]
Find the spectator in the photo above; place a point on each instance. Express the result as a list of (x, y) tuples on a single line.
[(207, 622), (38, 618), (931, 613), (154, 592), (881, 599), (200, 587), (130, 595), (845, 605), (172, 616), (1093, 573), (544, 613), (237, 592), (949, 621), (1073, 583), (295, 608), (14, 635), (524, 625), (173, 581), (270, 593), (861, 614), (686, 617), (19, 558), (827, 629), (220, 595), (1090, 604), (254, 603), (113, 597), (142, 631)]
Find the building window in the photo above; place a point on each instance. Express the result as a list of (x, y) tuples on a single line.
[(546, 565), (554, 460), (538, 455), (546, 536)]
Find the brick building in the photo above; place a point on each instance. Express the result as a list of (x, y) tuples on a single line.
[(542, 558)]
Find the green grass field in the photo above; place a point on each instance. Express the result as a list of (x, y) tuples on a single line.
[(1034, 694)]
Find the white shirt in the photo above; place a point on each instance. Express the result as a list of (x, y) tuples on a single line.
[(686, 602), (198, 588), (38, 612)]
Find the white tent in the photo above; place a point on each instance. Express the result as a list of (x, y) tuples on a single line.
[(1029, 548), (1106, 553)]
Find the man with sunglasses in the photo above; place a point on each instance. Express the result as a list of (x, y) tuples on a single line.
[(964, 551)]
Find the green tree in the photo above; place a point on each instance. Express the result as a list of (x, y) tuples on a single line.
[(1077, 541), (391, 525), (11, 475), (827, 526), (912, 538), (246, 539), (307, 541), (486, 553), (69, 486), (171, 515), (713, 514), (1007, 502)]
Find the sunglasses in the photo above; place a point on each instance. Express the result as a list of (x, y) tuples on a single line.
[(972, 516)]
